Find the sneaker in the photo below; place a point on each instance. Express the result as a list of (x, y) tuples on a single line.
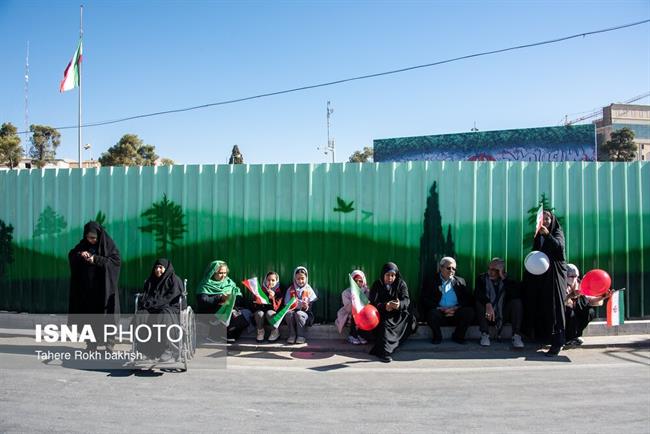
[(275, 334), (362, 341), (579, 341), (485, 340), (517, 342), (291, 340), (385, 358), (260, 336), (300, 340), (553, 351), (353, 340)]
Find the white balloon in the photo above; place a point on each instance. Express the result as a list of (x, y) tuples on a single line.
[(537, 262)]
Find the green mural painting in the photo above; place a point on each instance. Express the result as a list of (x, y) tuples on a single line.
[(330, 218), (532, 217), (100, 218), (433, 245), (49, 224), (166, 223), (6, 247)]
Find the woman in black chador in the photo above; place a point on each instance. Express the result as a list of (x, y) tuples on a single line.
[(160, 305), (390, 295), (94, 273), (549, 288)]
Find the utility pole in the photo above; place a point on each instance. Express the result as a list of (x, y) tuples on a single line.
[(27, 89), (330, 141)]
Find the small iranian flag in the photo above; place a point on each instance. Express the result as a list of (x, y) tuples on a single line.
[(224, 313), (359, 299), (71, 76), (616, 309), (278, 317), (254, 287), (539, 220)]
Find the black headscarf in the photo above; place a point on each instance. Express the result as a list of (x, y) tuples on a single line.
[(164, 291), (380, 293), (94, 287)]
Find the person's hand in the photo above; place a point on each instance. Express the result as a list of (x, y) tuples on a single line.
[(271, 293), (569, 303), (502, 274), (390, 306), (543, 230), (489, 312), (451, 311), (85, 255), (305, 305), (224, 298)]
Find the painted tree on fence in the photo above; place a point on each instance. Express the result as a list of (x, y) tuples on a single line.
[(165, 222), (6, 247), (433, 245), (50, 223)]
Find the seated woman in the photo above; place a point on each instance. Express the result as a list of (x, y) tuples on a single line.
[(160, 304), (579, 309), (301, 316), (390, 295), (214, 290), (265, 312), (344, 315)]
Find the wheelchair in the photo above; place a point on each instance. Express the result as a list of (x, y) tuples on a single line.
[(184, 349)]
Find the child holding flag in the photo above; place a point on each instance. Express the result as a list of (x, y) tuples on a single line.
[(217, 294), (300, 298), (266, 304), (344, 315)]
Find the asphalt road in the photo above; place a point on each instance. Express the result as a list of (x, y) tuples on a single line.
[(493, 391)]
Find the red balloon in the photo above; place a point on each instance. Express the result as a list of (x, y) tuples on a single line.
[(367, 318), (595, 283)]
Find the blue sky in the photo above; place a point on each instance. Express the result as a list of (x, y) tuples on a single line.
[(148, 56)]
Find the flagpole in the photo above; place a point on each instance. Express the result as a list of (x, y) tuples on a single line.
[(81, 34)]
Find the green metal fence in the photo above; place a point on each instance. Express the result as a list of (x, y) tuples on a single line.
[(331, 218)]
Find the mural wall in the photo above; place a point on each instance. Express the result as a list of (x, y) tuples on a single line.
[(566, 143), (331, 218)]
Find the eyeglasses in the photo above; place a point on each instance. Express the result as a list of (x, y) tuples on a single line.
[(451, 268), (571, 277)]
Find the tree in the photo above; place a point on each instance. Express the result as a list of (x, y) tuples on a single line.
[(433, 245), (364, 156), (10, 150), (129, 151), (6, 246), (166, 162), (166, 222), (44, 141), (620, 147), (235, 156), (532, 218), (49, 223)]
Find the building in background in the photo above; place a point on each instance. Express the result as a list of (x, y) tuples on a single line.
[(60, 163), (632, 116), (564, 143)]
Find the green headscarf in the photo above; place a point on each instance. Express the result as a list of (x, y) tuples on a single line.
[(212, 287)]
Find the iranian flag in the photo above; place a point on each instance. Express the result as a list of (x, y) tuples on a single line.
[(278, 317), (539, 220), (616, 309), (254, 287), (71, 76), (224, 313), (359, 299)]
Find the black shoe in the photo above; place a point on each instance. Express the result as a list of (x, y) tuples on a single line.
[(166, 356), (385, 358), (553, 351), (436, 341), (458, 340)]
